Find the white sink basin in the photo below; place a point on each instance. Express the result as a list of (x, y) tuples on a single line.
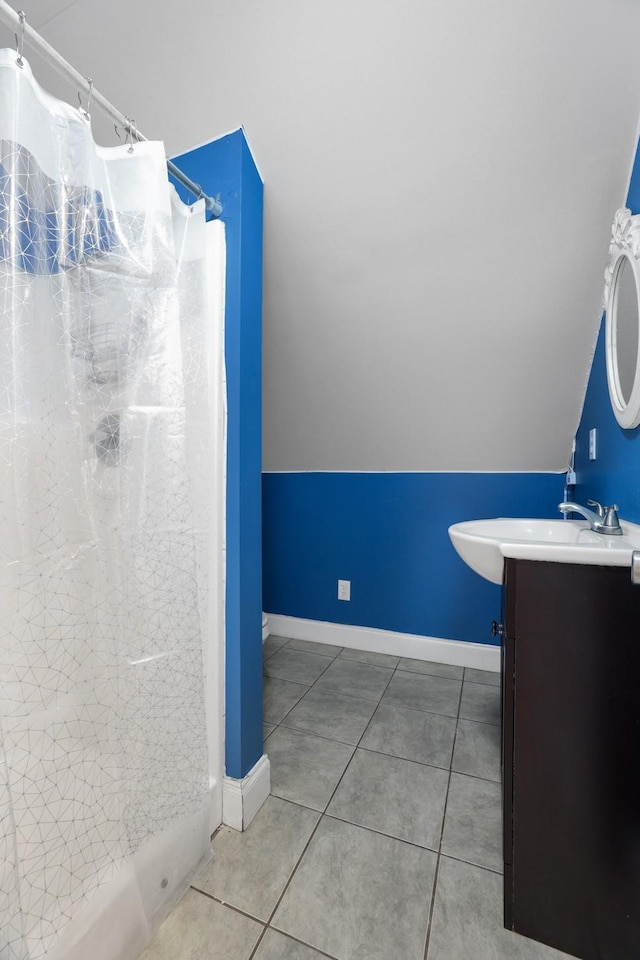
[(483, 544)]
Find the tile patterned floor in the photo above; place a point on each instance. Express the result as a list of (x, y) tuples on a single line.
[(382, 837)]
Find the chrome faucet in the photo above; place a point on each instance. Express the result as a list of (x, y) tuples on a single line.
[(601, 519)]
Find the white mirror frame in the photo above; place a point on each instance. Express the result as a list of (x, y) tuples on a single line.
[(625, 244)]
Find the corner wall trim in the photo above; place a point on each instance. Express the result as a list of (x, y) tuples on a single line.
[(459, 653), (241, 799)]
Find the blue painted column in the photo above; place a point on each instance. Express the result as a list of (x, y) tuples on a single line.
[(226, 168)]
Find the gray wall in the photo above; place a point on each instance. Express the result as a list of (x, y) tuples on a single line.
[(440, 180)]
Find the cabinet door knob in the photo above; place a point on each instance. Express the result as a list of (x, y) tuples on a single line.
[(496, 628)]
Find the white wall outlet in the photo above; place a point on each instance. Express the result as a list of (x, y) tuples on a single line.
[(593, 450), (344, 589)]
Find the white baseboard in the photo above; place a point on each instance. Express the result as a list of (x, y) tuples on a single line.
[(481, 656), (265, 627), (241, 799)]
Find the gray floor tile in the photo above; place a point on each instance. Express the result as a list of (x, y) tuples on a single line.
[(355, 679), (308, 646), (275, 946), (422, 692), (271, 645), (467, 919), (397, 797), (357, 894), (490, 677), (411, 734), (304, 768), (477, 750), (480, 702), (267, 728), (296, 665), (434, 669), (201, 929), (278, 697), (331, 715), (250, 870), (366, 656), (473, 822)]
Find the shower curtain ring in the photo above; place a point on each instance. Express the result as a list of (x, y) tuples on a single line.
[(131, 129), (85, 113), (20, 42)]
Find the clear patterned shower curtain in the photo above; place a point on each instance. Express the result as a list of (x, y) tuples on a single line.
[(104, 779)]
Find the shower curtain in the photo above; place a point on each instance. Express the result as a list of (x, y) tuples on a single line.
[(105, 472)]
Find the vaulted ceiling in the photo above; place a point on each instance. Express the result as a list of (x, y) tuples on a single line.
[(440, 179)]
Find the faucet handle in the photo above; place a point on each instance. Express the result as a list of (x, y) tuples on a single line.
[(610, 520), (600, 510)]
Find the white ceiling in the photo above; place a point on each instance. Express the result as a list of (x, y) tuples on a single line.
[(440, 177)]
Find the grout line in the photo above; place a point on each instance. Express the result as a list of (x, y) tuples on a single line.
[(284, 717), (356, 746), (486, 723), (264, 924), (439, 853), (370, 663), (312, 733), (302, 943), (225, 903), (425, 673), (304, 653), (310, 643), (423, 763), (380, 833), (285, 644), (427, 941), (395, 670), (312, 685), (433, 713), (474, 776), (295, 869), (320, 818), (483, 683), (394, 756), (348, 696), (298, 803), (263, 934), (308, 686), (472, 863)]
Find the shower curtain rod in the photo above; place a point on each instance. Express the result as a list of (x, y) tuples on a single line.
[(17, 23)]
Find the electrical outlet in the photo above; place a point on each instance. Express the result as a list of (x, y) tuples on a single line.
[(593, 449), (344, 589)]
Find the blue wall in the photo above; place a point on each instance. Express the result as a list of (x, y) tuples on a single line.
[(615, 476), (387, 533), (225, 167)]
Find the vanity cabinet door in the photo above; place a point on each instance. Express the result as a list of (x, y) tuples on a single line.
[(572, 793)]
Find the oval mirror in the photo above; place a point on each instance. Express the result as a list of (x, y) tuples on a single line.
[(622, 296)]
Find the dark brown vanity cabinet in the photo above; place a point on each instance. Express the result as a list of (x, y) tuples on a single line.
[(571, 757)]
